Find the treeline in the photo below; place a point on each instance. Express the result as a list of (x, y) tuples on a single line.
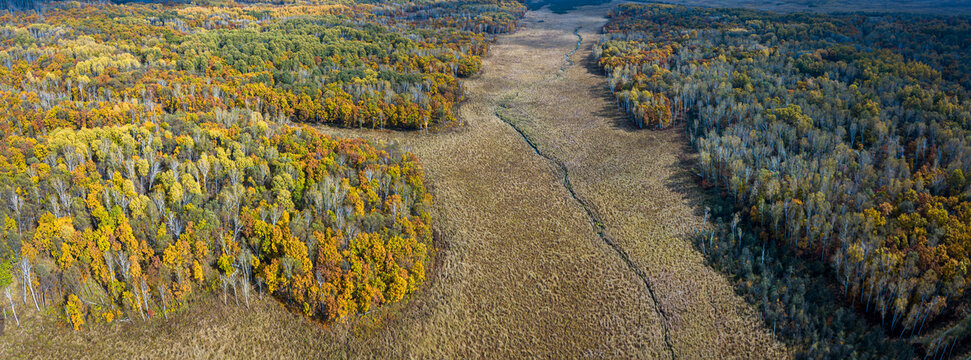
[(27, 5), (842, 139), (15, 5), (381, 66)]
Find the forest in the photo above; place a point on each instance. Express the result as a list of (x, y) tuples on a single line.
[(839, 145), (151, 153), (501, 178), (379, 66)]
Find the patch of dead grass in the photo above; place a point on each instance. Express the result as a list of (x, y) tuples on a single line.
[(639, 185)]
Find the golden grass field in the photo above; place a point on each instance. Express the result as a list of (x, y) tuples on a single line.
[(638, 185), (522, 269)]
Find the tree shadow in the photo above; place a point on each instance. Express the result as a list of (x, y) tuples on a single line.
[(683, 178), (610, 110)]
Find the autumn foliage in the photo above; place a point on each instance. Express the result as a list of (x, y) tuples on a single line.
[(362, 65), (134, 219), (147, 155)]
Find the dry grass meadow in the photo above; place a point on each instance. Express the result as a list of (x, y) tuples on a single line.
[(522, 269)]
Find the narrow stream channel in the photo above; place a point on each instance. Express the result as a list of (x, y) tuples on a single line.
[(595, 220)]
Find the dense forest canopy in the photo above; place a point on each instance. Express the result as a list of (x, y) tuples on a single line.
[(843, 139), (146, 151), (387, 66)]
